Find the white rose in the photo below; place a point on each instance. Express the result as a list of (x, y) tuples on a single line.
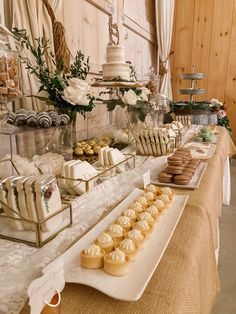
[(77, 92), (130, 97), (143, 97)]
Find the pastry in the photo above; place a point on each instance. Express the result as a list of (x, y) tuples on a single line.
[(79, 152), (92, 257), (128, 247), (20, 118), (116, 263), (164, 198), (168, 191), (143, 201), (144, 227), (149, 196), (137, 207), (105, 242), (124, 222), (137, 236), (159, 204), (152, 188), (32, 120), (174, 169), (130, 213), (181, 180), (147, 216), (165, 177), (116, 232), (153, 210)]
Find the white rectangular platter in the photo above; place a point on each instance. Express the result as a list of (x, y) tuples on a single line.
[(131, 286), (194, 182), (209, 150)]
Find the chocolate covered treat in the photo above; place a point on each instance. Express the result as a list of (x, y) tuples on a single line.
[(32, 119), (65, 119), (44, 120), (56, 120), (11, 118), (20, 117)]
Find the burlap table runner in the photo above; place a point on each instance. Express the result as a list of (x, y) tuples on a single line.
[(186, 280)]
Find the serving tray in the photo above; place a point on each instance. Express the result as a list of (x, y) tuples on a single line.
[(194, 182), (131, 286), (194, 147)]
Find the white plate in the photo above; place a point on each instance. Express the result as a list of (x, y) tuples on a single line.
[(194, 147), (131, 286), (194, 182)]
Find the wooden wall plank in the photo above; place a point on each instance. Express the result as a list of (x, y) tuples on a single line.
[(182, 44)]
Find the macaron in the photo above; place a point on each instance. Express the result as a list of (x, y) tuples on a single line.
[(165, 177), (174, 158), (181, 180), (175, 162), (174, 169)]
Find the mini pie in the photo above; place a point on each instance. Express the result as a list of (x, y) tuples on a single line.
[(152, 188), (153, 210), (143, 201), (137, 236), (147, 216), (116, 232), (92, 257), (149, 196), (116, 263), (137, 207), (144, 227), (105, 242), (168, 191), (124, 222), (159, 204), (128, 247), (130, 213), (164, 198)]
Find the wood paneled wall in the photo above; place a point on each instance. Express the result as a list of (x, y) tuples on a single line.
[(86, 24), (204, 34)]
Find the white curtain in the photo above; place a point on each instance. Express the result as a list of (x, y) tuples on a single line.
[(164, 24), (32, 16)]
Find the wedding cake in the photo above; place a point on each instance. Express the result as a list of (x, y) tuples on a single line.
[(116, 66)]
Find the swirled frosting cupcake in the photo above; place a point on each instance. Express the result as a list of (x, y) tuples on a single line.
[(116, 263), (137, 236), (144, 227), (159, 204), (129, 248), (116, 232), (105, 242), (124, 222), (153, 210), (130, 213), (137, 207), (148, 217), (92, 257)]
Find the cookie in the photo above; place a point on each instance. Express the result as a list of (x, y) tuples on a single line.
[(174, 169), (165, 177), (181, 180)]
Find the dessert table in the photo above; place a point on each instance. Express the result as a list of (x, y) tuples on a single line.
[(185, 281)]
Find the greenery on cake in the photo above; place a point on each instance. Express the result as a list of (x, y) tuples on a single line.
[(68, 91)]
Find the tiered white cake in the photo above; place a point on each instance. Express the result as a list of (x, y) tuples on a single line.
[(116, 66)]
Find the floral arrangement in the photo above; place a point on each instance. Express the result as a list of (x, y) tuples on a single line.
[(69, 92), (134, 99)]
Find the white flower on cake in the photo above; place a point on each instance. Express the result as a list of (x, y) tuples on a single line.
[(129, 97), (92, 250), (76, 93)]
